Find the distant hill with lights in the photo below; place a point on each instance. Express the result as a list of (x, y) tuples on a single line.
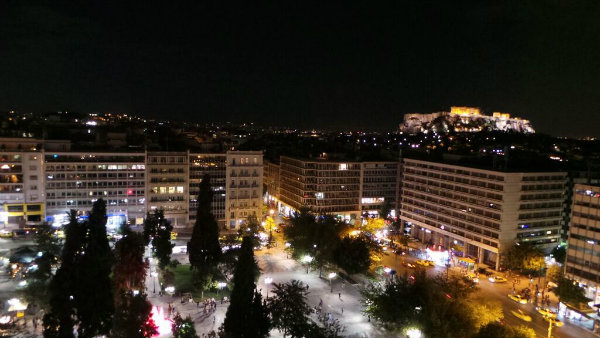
[(463, 119)]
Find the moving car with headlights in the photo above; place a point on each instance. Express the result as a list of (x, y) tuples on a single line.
[(497, 279), (409, 265), (521, 315), (555, 322), (546, 312), (518, 298), (425, 262)]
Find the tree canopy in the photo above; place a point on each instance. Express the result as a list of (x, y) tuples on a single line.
[(289, 310), (524, 257), (440, 306)]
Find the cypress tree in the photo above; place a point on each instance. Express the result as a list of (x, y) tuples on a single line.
[(238, 319), (59, 321), (203, 248), (94, 301)]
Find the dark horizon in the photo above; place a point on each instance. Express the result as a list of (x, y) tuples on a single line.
[(352, 67)]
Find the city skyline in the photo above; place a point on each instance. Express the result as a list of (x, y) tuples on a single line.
[(351, 67)]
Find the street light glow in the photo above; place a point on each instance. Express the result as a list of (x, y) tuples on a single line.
[(268, 280), (413, 333), (221, 285), (307, 259), (332, 275)]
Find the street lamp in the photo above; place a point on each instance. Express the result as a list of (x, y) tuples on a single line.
[(221, 285), (413, 333), (306, 260), (268, 281), (331, 275), (287, 251)]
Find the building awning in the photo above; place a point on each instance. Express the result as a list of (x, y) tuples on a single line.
[(466, 260), (582, 308)]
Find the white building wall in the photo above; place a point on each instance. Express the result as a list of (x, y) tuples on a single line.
[(244, 187)]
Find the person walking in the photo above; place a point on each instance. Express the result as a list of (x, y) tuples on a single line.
[(340, 295)]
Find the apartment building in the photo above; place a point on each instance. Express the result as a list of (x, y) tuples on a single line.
[(379, 184), (75, 180), (214, 165), (167, 185), (245, 183), (21, 188), (583, 252), (272, 180), (484, 211), (41, 185), (346, 189)]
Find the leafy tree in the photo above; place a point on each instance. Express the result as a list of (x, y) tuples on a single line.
[(560, 253), (554, 273), (384, 209), (203, 248), (326, 238), (157, 230), (183, 328), (326, 329), (47, 243), (373, 225), (289, 310), (353, 255), (298, 233), (150, 226), (567, 291), (94, 296), (317, 238), (524, 256), (251, 228), (485, 312), (129, 271), (438, 305), (133, 316), (238, 321), (161, 244), (59, 321), (495, 330), (522, 331)]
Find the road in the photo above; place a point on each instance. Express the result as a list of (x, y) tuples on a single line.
[(499, 292)]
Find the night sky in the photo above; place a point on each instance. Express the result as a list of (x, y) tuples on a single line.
[(306, 66)]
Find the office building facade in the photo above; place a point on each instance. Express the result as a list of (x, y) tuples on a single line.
[(482, 211), (583, 252), (340, 188)]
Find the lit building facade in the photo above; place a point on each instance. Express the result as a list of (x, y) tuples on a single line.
[(583, 252), (244, 179), (41, 185), (483, 211), (21, 188), (167, 185), (214, 165), (345, 189), (75, 180)]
